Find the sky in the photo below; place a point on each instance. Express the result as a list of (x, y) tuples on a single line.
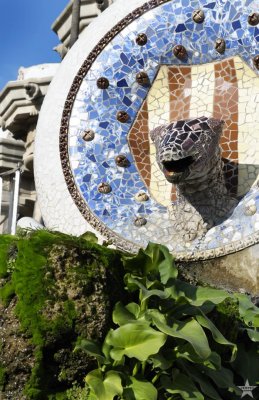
[(26, 37)]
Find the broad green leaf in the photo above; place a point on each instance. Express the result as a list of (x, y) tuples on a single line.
[(196, 296), (140, 390), (91, 396), (186, 351), (248, 311), (161, 361), (183, 385), (253, 334), (145, 293), (90, 347), (215, 296), (214, 361), (104, 388), (204, 382), (217, 335), (121, 315), (181, 309), (222, 378), (246, 361), (134, 309), (166, 266), (188, 330), (155, 258), (137, 340), (106, 348)]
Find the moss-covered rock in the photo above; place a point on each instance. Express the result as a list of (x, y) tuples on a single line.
[(54, 289)]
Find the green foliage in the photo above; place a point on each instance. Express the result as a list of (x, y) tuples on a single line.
[(7, 292), (167, 346), (77, 393), (166, 339), (6, 243)]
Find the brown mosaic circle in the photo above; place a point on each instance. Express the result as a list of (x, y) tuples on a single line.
[(141, 39), (123, 116), (198, 16), (88, 135), (122, 161), (180, 52), (104, 188), (103, 83), (142, 78), (253, 19), (220, 46)]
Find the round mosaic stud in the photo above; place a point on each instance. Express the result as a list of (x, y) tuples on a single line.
[(250, 210), (220, 46), (122, 116), (140, 221), (142, 78), (88, 135), (256, 61), (141, 39), (103, 83), (180, 52), (122, 161), (253, 19), (198, 16), (141, 196), (104, 188)]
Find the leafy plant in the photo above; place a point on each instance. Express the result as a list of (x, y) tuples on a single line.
[(166, 345)]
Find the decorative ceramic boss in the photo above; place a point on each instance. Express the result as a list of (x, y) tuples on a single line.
[(189, 155)]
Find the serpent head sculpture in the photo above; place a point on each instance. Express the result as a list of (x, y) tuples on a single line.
[(186, 150), (188, 153)]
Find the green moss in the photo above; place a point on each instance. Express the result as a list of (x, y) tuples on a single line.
[(7, 292), (6, 242), (65, 288), (227, 318), (229, 308)]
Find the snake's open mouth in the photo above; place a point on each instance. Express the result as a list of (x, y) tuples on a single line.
[(178, 166)]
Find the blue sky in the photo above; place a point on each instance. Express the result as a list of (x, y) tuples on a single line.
[(26, 37)]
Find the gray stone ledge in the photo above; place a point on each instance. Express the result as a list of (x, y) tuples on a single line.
[(19, 106)]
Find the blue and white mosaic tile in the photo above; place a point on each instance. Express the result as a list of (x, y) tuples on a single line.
[(93, 162)]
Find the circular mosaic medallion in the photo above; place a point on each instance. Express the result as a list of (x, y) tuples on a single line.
[(158, 66)]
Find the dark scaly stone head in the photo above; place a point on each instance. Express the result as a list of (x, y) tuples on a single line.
[(186, 149)]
